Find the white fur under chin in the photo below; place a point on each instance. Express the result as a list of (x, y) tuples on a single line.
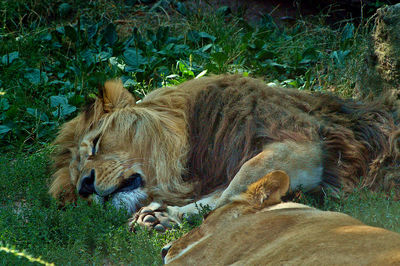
[(129, 200)]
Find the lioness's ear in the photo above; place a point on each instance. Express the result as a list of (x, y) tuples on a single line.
[(268, 190), (114, 95)]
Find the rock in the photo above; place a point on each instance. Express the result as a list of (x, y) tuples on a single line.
[(381, 70)]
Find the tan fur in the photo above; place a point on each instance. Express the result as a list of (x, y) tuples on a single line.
[(189, 141), (255, 229)]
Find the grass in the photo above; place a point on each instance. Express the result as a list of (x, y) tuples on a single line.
[(78, 234), (52, 58), (373, 208)]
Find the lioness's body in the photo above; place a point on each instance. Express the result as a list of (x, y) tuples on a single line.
[(244, 233), (189, 141), (287, 235)]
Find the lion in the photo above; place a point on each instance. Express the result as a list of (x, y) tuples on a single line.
[(255, 228), (209, 138)]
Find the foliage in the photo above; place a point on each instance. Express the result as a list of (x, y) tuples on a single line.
[(48, 71)]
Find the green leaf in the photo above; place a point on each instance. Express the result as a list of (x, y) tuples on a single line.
[(9, 58), (88, 56), (4, 105), (63, 108), (4, 129), (219, 58), (92, 30), (181, 8), (130, 83), (205, 35), (38, 114), (307, 84), (60, 30), (110, 34), (339, 56), (206, 47), (64, 9), (273, 64), (224, 10), (196, 36), (59, 100), (348, 32), (185, 69), (35, 76), (291, 82), (104, 56), (133, 59), (46, 37)]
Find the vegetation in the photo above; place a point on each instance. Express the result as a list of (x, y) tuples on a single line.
[(54, 55)]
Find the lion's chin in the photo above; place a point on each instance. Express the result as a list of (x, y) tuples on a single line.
[(131, 201)]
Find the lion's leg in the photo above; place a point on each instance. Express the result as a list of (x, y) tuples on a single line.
[(301, 161), (209, 201)]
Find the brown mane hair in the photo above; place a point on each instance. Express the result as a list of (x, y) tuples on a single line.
[(233, 117)]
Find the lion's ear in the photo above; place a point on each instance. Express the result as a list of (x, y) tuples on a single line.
[(268, 190), (114, 95)]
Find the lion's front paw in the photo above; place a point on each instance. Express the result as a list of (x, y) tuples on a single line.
[(153, 216)]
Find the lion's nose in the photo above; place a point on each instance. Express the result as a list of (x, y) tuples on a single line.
[(87, 184)]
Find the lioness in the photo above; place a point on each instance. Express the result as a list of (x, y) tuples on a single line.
[(255, 229), (191, 142)]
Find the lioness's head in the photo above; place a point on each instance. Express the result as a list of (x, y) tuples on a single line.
[(264, 193)]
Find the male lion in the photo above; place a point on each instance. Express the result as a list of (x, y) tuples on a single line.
[(188, 143), (256, 229)]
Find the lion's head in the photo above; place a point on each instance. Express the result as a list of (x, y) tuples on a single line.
[(117, 149)]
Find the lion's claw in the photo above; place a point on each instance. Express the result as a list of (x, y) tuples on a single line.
[(153, 216)]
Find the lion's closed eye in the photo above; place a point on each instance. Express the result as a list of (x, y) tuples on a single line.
[(95, 145)]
